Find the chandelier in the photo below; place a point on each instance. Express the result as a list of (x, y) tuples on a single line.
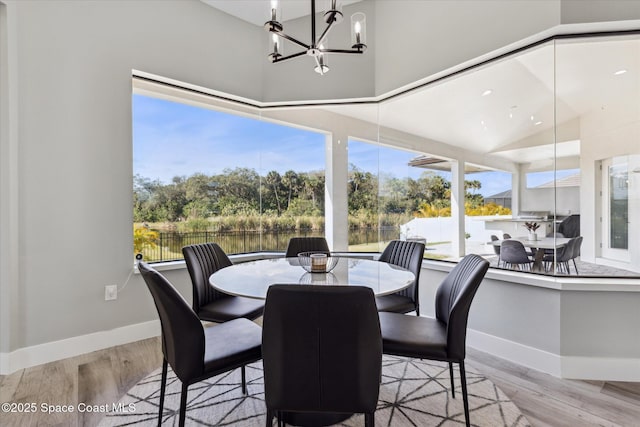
[(317, 48)]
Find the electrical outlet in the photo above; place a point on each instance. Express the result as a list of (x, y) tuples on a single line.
[(110, 292)]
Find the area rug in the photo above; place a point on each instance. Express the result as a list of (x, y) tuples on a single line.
[(413, 392)]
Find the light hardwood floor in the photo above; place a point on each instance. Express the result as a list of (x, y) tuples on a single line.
[(102, 377)]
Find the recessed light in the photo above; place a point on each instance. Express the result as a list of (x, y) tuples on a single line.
[(487, 92), (619, 72), (531, 118), (538, 123)]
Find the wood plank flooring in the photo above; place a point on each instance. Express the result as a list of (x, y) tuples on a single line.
[(102, 377)]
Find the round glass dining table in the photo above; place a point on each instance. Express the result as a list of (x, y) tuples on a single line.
[(253, 278)]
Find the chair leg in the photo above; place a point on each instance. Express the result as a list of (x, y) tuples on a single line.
[(269, 422), (163, 384), (244, 380), (183, 405), (465, 401), (453, 387), (369, 419), (575, 265)]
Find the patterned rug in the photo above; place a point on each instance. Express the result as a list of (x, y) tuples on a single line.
[(413, 393)]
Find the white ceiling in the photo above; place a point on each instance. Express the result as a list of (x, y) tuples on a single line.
[(257, 11), (516, 121)]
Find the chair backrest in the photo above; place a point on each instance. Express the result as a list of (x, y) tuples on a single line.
[(202, 261), (570, 226), (306, 244), (182, 333), (506, 236), (513, 252), (321, 348), (496, 248), (409, 255), (576, 247), (453, 300), (565, 253)]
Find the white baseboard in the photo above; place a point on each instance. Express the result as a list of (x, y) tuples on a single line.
[(48, 352), (521, 354), (574, 367), (570, 367)]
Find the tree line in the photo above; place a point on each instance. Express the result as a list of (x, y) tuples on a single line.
[(243, 191)]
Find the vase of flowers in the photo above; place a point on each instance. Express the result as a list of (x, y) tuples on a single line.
[(531, 228)]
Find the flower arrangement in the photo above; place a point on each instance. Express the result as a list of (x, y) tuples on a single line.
[(532, 226)]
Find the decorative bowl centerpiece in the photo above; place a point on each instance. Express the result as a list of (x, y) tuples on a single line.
[(317, 262)]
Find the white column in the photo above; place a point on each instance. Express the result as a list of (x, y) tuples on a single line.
[(457, 208), (517, 179), (335, 196)]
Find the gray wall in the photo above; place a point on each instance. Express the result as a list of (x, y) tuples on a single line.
[(70, 93), (577, 11), (564, 323), (440, 34)]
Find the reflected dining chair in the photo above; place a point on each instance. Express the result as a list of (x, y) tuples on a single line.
[(442, 338), (409, 255), (306, 244), (196, 353), (496, 248), (322, 352), (563, 255), (576, 252), (208, 303), (514, 255)]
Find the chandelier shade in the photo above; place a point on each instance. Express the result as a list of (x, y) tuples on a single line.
[(317, 47)]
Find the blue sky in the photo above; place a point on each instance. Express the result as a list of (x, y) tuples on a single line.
[(174, 139)]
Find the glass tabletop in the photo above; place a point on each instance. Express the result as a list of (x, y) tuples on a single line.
[(252, 279)]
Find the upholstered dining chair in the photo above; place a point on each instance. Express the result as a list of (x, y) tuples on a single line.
[(196, 353), (563, 255), (577, 245), (442, 338), (496, 248), (306, 244), (409, 255), (208, 303), (514, 255), (322, 351)]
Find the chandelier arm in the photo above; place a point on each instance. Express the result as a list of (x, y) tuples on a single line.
[(313, 24), (293, 55), (356, 51), (291, 39), (324, 33)]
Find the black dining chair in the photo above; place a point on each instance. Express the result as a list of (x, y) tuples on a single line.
[(506, 236), (208, 303), (514, 255), (442, 338), (409, 255), (196, 353), (306, 244), (322, 352)]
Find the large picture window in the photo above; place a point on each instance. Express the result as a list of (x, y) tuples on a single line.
[(202, 174)]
